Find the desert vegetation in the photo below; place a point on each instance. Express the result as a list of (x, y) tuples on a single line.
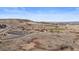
[(27, 35)]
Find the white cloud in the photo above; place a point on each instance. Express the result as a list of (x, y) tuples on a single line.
[(40, 16)]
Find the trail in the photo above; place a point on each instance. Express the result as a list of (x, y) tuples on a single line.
[(14, 36)]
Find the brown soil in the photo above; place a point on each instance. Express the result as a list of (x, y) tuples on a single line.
[(21, 35)]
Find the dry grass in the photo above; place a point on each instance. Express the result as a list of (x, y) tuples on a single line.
[(39, 36)]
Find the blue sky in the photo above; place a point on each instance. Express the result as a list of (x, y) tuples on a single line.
[(41, 13)]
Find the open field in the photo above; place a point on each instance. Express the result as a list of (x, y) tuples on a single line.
[(26, 35)]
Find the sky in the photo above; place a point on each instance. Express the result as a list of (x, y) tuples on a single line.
[(51, 14)]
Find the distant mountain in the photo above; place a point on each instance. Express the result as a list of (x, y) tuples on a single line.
[(71, 23), (27, 20), (62, 23), (16, 19)]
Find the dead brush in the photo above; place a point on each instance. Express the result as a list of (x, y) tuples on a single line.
[(58, 30)]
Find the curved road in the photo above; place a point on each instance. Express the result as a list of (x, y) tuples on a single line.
[(7, 29)]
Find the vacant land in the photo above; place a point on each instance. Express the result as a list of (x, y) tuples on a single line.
[(26, 35)]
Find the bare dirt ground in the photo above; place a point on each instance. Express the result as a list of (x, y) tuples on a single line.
[(26, 35)]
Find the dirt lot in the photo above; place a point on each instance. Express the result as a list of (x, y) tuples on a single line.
[(26, 35)]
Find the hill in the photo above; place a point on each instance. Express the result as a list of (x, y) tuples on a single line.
[(27, 35)]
